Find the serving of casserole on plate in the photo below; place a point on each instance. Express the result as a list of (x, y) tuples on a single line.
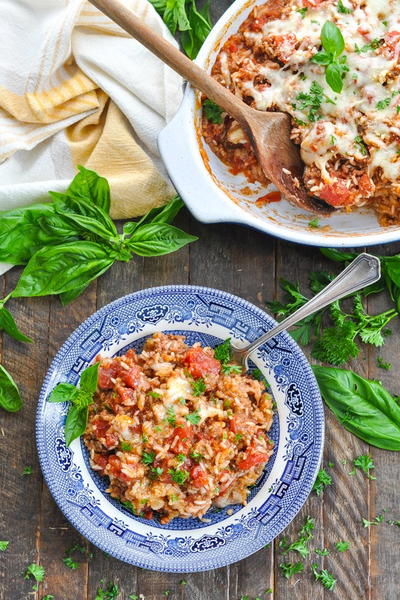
[(334, 68)]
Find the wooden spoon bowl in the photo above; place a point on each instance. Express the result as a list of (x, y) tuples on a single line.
[(269, 132)]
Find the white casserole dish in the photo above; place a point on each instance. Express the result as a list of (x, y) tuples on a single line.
[(214, 195)]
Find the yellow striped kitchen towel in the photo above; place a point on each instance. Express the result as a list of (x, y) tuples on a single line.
[(76, 89)]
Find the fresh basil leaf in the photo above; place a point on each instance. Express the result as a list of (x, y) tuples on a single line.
[(85, 215), (75, 423), (161, 214), (67, 297), (193, 38), (332, 39), (63, 392), (8, 325), (322, 58), (88, 381), (337, 255), (23, 232), (10, 398), (156, 239), (363, 407), (333, 76), (58, 269), (88, 184)]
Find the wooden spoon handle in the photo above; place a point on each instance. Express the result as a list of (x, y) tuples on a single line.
[(173, 57)]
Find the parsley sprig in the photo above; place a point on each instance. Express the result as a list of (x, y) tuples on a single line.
[(212, 111), (223, 353), (322, 481), (312, 101), (330, 57), (326, 578)]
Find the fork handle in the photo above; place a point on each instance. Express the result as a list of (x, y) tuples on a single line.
[(363, 271), (175, 59)]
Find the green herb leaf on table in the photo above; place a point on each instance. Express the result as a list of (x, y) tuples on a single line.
[(10, 397), (365, 463), (9, 326), (342, 546), (378, 519), (27, 470), (109, 592), (48, 597), (322, 552), (363, 407), (288, 569), (326, 578), (34, 571), (4, 545), (322, 480)]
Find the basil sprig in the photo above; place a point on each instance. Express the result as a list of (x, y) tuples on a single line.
[(335, 65), (10, 398), (363, 407), (80, 399), (67, 244)]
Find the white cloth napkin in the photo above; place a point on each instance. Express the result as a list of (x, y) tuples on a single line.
[(74, 87)]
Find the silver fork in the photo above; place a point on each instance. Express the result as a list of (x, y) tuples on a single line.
[(363, 271)]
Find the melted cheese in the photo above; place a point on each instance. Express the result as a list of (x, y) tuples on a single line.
[(367, 106)]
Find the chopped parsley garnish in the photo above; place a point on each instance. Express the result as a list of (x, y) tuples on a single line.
[(382, 104), (154, 394), (365, 463), (197, 456), (179, 476), (223, 351), (322, 481), (173, 498), (171, 417), (125, 446), (238, 437), (70, 563), (392, 522), (323, 552), (302, 11), (129, 506), (194, 418), (314, 223), (342, 546), (335, 65), (27, 471), (229, 369), (359, 143), (376, 43), (133, 597), (148, 457), (299, 545), (312, 100), (268, 591), (110, 592), (324, 577), (382, 364), (198, 387), (48, 597), (34, 571), (289, 569), (183, 582), (212, 111), (378, 519), (4, 545), (156, 472), (180, 458), (342, 9)]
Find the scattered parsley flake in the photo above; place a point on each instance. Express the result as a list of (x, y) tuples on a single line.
[(70, 563), (193, 418), (154, 394), (148, 457), (289, 569), (179, 476), (322, 481), (27, 471), (35, 571), (198, 387), (342, 546), (183, 582), (302, 11), (129, 506), (181, 458), (324, 577), (314, 223), (110, 592), (238, 437), (48, 597), (359, 143), (133, 597), (156, 472), (171, 417), (390, 521), (197, 456), (376, 43), (378, 519), (229, 369), (342, 9), (212, 111), (4, 545), (365, 463), (382, 104), (382, 364), (323, 552), (125, 446)]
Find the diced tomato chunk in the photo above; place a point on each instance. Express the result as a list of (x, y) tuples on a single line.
[(366, 185), (238, 423), (100, 426), (114, 464), (200, 364), (105, 376), (199, 476), (251, 459), (131, 377), (336, 194), (392, 40), (312, 3), (185, 439), (126, 394), (101, 461), (111, 440)]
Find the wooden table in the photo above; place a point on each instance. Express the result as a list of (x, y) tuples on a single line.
[(249, 264)]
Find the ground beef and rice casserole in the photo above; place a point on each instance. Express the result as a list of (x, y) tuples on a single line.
[(176, 431), (350, 141)]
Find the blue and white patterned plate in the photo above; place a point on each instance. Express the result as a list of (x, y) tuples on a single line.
[(185, 545)]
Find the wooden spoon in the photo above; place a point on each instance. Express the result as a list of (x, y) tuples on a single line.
[(269, 132)]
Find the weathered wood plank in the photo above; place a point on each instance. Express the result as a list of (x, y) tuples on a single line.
[(56, 534), (20, 504)]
